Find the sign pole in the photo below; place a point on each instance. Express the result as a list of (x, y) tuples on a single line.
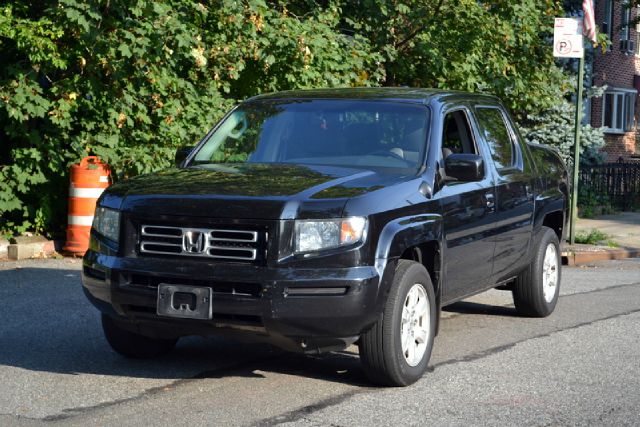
[(568, 42), (576, 154)]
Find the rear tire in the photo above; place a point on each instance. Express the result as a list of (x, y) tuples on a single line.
[(132, 345), (397, 348), (536, 289)]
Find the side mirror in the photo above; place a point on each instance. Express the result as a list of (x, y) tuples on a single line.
[(464, 167), (181, 154)]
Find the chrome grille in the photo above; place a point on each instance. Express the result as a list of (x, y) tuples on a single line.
[(217, 243)]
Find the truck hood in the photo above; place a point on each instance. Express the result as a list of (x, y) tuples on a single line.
[(264, 191)]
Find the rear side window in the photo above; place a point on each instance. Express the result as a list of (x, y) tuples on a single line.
[(495, 133)]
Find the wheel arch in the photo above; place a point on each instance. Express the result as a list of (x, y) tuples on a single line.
[(429, 255), (417, 238), (552, 212), (403, 233)]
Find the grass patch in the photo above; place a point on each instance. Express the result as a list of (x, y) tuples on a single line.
[(591, 237)]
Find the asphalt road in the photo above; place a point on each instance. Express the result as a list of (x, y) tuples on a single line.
[(580, 366)]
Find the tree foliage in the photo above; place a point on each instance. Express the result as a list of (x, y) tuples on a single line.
[(131, 80), (502, 47)]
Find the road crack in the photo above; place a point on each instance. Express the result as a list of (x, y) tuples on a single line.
[(305, 411)]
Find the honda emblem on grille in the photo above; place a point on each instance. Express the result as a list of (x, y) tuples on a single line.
[(193, 242)]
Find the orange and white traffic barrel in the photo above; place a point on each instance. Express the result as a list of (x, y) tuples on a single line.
[(88, 181)]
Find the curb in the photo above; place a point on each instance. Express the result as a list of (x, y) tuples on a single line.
[(4, 247), (572, 258), (18, 251)]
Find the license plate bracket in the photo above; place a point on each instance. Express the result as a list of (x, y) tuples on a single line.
[(185, 302)]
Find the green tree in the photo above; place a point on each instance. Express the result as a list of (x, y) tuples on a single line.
[(130, 81), (501, 47)]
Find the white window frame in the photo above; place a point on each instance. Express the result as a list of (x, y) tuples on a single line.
[(628, 97)]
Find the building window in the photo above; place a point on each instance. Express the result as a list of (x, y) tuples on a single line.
[(607, 24), (626, 18), (618, 110), (627, 45)]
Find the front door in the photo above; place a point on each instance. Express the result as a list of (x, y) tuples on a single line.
[(468, 216)]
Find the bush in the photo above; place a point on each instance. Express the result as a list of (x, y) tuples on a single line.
[(591, 203), (555, 127)]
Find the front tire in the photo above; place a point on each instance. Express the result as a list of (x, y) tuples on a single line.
[(132, 345), (397, 348), (536, 290)]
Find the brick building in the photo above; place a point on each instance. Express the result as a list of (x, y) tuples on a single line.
[(619, 70)]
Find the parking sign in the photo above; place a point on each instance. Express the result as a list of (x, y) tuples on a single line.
[(567, 38)]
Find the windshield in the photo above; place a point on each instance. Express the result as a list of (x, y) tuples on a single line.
[(320, 132)]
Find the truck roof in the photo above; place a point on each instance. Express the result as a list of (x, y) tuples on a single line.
[(405, 94)]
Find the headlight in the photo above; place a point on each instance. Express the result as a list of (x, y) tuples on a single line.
[(314, 235), (107, 222)]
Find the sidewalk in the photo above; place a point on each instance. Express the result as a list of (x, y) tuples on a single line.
[(622, 228)]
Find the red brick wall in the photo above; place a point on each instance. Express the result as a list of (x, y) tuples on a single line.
[(619, 146), (614, 69)]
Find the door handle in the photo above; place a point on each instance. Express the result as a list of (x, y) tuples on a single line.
[(491, 204)]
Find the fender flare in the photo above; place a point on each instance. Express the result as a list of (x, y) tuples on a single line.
[(546, 205), (400, 234), (406, 232)]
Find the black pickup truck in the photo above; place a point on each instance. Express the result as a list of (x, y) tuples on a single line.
[(317, 219)]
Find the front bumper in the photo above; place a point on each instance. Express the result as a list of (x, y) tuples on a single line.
[(297, 309)]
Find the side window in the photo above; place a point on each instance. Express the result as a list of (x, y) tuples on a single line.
[(495, 133), (456, 135)]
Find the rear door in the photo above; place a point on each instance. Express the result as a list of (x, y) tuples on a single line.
[(514, 184)]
